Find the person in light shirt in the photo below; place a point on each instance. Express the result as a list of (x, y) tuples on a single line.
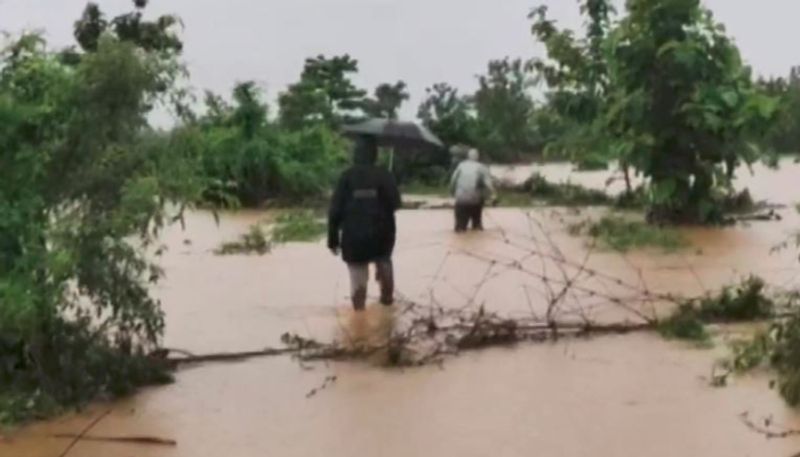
[(471, 185)]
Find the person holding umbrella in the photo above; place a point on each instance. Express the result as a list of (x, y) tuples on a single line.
[(470, 184), (361, 222)]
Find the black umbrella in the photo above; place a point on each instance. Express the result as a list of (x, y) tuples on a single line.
[(395, 133)]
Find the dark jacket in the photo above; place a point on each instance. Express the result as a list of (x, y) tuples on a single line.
[(361, 220)]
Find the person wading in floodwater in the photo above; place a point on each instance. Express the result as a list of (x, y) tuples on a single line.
[(361, 222), (470, 185)]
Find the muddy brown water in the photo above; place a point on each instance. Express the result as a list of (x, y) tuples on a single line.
[(615, 396)]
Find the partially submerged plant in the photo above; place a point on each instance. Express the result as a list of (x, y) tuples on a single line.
[(564, 194), (623, 234), (298, 226), (745, 302), (291, 226), (777, 348), (685, 324), (254, 241)]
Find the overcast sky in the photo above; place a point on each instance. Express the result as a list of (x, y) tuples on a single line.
[(419, 41)]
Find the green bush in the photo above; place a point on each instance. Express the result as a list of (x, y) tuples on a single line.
[(745, 302), (253, 161), (84, 186), (685, 324)]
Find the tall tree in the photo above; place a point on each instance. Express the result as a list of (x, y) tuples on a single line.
[(448, 114), (387, 100), (784, 134), (158, 35), (505, 108), (325, 94), (677, 103), (84, 186)]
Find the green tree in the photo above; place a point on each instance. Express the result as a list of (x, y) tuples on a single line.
[(153, 36), (325, 94), (83, 190), (677, 104), (784, 135), (576, 74), (249, 160), (505, 109), (387, 100), (448, 114)]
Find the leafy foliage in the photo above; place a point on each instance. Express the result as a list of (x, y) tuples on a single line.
[(249, 159), (498, 118), (784, 134), (387, 100), (325, 94), (685, 324), (745, 302), (779, 348), (290, 226), (664, 91), (83, 191), (448, 114), (505, 109), (152, 36)]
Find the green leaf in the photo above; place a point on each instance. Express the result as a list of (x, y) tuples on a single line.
[(731, 98)]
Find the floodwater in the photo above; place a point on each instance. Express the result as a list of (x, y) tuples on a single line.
[(614, 396)]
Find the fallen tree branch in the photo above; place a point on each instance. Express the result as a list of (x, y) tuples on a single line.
[(226, 356), (145, 440), (80, 436)]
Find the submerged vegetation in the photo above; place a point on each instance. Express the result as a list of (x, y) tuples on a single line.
[(564, 194), (294, 226), (255, 241), (298, 226), (623, 234), (746, 302), (685, 323), (777, 348)]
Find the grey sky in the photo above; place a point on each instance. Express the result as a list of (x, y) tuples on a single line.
[(419, 41)]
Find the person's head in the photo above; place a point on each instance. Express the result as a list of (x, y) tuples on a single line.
[(365, 151), (473, 155)]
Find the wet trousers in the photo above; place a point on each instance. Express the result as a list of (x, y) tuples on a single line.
[(467, 213), (359, 277)]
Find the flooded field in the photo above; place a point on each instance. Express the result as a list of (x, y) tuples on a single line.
[(607, 396)]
